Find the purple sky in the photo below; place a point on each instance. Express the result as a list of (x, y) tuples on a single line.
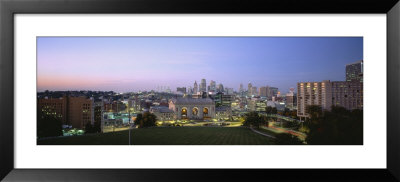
[(125, 64)]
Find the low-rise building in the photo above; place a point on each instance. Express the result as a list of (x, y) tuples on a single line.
[(223, 113), (162, 113)]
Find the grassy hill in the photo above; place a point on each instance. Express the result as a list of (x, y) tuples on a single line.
[(168, 136)]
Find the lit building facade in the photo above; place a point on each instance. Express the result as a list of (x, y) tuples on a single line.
[(189, 108), (327, 94), (313, 93), (223, 113), (256, 104), (54, 106), (75, 111)]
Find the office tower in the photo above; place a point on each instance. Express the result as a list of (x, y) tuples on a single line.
[(228, 90), (220, 88), (354, 71), (254, 91), (291, 100), (222, 99), (272, 92), (195, 90), (181, 90), (203, 85), (263, 91), (241, 88), (249, 87), (213, 86)]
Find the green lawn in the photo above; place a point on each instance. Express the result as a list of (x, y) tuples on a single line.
[(168, 136)]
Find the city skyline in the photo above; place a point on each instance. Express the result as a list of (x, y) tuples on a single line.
[(125, 64)]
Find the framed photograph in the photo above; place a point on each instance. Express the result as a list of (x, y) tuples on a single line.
[(143, 90)]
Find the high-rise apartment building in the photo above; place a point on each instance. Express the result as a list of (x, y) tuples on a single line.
[(327, 94), (313, 93), (354, 71), (347, 94)]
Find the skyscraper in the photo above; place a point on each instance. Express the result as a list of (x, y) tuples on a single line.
[(354, 71), (203, 85), (254, 91), (249, 87), (272, 92), (241, 88), (263, 91), (220, 88), (195, 88), (213, 86)]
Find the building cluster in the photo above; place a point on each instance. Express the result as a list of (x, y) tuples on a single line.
[(74, 111), (200, 102), (347, 94)]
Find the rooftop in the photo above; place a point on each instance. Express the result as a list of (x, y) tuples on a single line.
[(162, 109), (186, 100)]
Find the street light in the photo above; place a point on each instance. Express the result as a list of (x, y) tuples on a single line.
[(129, 111)]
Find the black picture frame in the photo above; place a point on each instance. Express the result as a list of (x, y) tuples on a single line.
[(8, 8)]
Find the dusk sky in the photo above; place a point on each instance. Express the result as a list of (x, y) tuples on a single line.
[(124, 64)]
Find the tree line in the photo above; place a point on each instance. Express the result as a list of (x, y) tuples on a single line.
[(337, 126)]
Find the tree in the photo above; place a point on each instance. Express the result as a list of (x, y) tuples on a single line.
[(146, 120), (254, 119), (268, 109), (291, 124), (287, 139), (274, 110), (138, 120), (314, 111), (336, 127), (89, 128), (95, 128), (48, 125)]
